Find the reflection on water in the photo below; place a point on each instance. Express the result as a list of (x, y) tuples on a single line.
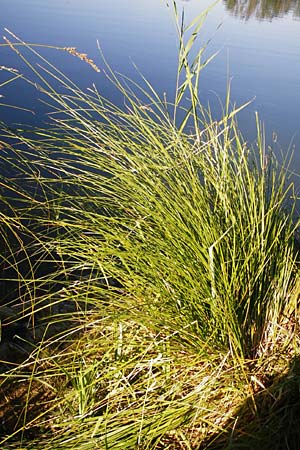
[(263, 58), (263, 9)]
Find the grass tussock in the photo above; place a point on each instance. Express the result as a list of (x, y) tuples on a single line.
[(157, 277)]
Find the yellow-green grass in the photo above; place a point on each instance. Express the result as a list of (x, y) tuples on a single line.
[(169, 318)]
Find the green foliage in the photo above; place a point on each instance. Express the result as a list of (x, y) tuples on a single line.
[(174, 286)]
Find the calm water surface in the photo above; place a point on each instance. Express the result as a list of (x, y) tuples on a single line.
[(258, 44)]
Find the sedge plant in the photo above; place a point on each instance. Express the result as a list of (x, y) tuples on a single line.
[(174, 296)]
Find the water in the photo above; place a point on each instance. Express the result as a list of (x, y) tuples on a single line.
[(258, 45)]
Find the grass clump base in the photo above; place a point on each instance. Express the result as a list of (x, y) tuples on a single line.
[(158, 282)]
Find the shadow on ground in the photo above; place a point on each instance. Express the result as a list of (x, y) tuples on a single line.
[(14, 412), (268, 421)]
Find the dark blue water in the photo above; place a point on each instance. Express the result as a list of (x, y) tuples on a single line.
[(258, 45)]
